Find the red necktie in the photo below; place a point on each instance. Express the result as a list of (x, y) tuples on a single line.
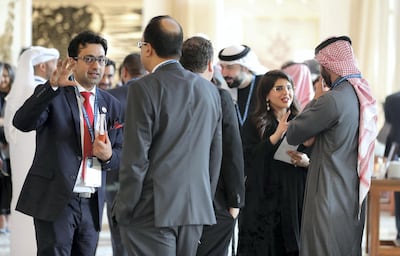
[(87, 140)]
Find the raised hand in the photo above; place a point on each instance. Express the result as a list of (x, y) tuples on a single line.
[(60, 76), (281, 129)]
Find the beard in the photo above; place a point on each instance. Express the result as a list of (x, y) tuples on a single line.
[(234, 82), (326, 77)]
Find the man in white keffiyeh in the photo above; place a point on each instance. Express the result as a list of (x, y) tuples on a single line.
[(242, 71), (35, 66), (342, 122)]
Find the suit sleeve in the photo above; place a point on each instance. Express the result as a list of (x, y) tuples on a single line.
[(32, 113), (216, 151), (232, 167), (134, 161), (316, 117)]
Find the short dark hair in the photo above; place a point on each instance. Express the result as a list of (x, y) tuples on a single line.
[(165, 41), (110, 62), (84, 38), (196, 53), (133, 65)]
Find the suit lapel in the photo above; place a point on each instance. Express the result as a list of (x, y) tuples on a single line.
[(101, 103), (73, 104)]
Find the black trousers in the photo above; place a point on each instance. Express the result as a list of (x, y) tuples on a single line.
[(72, 233), (216, 238), (116, 241)]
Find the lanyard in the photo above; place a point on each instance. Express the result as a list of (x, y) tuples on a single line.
[(85, 115), (243, 118), (338, 81)]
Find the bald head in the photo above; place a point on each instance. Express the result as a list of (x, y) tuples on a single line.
[(165, 36)]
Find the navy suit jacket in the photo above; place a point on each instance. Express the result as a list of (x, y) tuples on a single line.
[(54, 114), (121, 94)]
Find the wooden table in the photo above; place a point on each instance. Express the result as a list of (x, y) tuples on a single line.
[(375, 246)]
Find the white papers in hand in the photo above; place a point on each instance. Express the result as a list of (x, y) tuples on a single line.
[(281, 153)]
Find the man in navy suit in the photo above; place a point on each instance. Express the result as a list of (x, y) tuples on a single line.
[(64, 188), (172, 150)]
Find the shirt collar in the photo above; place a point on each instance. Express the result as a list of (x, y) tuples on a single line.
[(166, 62), (82, 89)]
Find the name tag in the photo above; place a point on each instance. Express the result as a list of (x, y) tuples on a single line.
[(92, 173)]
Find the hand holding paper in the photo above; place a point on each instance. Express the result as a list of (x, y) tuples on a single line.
[(281, 153)]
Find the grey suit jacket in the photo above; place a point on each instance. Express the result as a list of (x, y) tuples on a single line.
[(172, 149), (330, 223)]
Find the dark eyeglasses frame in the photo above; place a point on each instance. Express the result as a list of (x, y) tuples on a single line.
[(89, 59), (279, 88), (141, 43)]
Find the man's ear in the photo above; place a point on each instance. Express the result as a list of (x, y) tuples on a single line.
[(42, 67), (147, 50), (210, 66)]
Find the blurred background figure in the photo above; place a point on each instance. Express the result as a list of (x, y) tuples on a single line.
[(35, 66), (107, 81), (131, 68), (6, 79), (392, 120), (315, 70), (303, 84)]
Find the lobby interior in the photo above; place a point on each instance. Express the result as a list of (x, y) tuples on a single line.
[(277, 30)]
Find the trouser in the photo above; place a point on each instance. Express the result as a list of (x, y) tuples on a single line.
[(216, 238), (72, 233), (145, 239)]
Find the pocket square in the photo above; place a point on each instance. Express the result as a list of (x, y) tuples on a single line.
[(117, 125)]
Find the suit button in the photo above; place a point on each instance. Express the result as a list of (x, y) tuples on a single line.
[(79, 158), (73, 177)]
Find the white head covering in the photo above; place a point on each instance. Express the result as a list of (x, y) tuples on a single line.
[(24, 83), (242, 55)]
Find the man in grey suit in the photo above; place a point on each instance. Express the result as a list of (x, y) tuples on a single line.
[(342, 123), (172, 150)]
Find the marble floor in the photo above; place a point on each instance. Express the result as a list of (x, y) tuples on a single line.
[(387, 232)]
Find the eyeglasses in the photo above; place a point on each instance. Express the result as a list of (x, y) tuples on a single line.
[(280, 88), (140, 44), (89, 59)]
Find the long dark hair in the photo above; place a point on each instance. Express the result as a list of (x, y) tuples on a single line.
[(261, 117)]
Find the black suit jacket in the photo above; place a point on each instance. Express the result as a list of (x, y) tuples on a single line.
[(230, 189), (392, 109), (54, 114)]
